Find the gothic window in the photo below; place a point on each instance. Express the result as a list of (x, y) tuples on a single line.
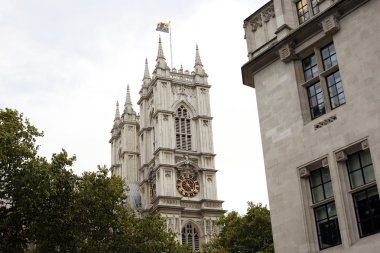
[(182, 129), (190, 236), (326, 218)]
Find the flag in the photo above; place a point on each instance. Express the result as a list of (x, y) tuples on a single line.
[(163, 27)]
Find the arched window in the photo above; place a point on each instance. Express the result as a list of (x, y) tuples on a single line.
[(190, 236), (182, 129)]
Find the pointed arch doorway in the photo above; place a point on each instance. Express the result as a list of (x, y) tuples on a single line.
[(190, 236)]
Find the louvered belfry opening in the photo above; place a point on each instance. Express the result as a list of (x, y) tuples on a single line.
[(183, 129), (190, 236)]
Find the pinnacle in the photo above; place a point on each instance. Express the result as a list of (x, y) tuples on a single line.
[(160, 54), (198, 61), (117, 113)]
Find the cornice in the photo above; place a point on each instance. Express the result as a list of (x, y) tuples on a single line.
[(296, 37)]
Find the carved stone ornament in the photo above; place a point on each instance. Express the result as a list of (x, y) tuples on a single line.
[(256, 22), (205, 122), (365, 145), (286, 53), (341, 156), (330, 25), (304, 172), (268, 13), (166, 117), (325, 162)]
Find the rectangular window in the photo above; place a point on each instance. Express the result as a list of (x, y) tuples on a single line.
[(366, 199), (310, 67), (329, 56), (325, 215), (302, 11), (316, 102), (367, 208), (325, 85), (327, 226), (360, 168), (336, 93), (320, 184), (315, 5)]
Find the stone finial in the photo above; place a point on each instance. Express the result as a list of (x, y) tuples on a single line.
[(160, 53), (197, 57), (198, 63), (117, 113), (128, 108), (146, 70), (160, 61)]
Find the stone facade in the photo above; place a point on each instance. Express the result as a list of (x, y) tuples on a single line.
[(317, 87), (166, 155)]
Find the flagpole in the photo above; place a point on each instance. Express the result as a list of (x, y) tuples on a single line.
[(171, 53)]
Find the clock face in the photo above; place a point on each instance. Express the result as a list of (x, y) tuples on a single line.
[(187, 185)]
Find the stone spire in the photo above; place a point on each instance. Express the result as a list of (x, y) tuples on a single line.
[(160, 61), (117, 114), (198, 67), (146, 71), (128, 108), (198, 61), (160, 53)]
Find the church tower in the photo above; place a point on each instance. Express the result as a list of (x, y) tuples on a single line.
[(176, 174)]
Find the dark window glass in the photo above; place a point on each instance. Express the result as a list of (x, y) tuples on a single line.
[(360, 168), (336, 92), (183, 130), (310, 68), (367, 208), (302, 11), (327, 225), (320, 184), (315, 6), (316, 102), (329, 56)]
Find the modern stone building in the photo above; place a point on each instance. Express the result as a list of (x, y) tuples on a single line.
[(315, 67), (166, 155)]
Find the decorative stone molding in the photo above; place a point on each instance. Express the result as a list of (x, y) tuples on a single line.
[(325, 122), (268, 13), (166, 117), (365, 145), (286, 53), (255, 23), (330, 24), (341, 156), (325, 162), (205, 122), (191, 205), (304, 172), (213, 204)]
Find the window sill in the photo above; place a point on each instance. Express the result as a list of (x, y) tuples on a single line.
[(310, 81), (323, 202), (330, 70), (362, 187)]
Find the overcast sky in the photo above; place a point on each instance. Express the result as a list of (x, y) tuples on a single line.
[(65, 63)]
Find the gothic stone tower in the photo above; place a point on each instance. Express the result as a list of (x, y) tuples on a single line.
[(176, 173)]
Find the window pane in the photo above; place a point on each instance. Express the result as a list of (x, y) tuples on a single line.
[(365, 157), (331, 210), (367, 208), (356, 178), (318, 194), (369, 175), (353, 162), (320, 213), (325, 174), (328, 190), (315, 178)]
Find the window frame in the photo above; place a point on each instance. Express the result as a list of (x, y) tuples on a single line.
[(312, 9), (329, 97), (183, 132)]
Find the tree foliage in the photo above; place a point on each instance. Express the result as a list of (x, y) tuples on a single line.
[(44, 204), (248, 233)]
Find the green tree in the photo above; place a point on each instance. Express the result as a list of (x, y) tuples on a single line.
[(248, 233), (45, 203)]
